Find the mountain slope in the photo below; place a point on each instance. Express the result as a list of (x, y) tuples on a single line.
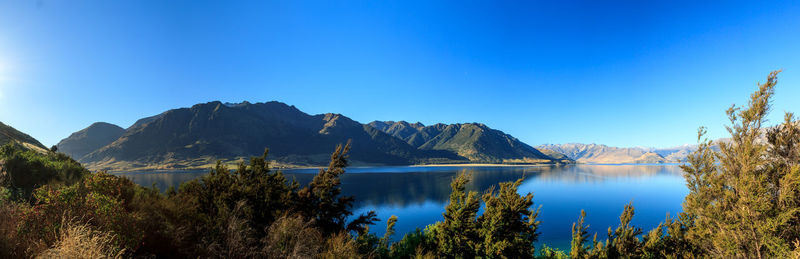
[(9, 134), (207, 132), (475, 141), (83, 142)]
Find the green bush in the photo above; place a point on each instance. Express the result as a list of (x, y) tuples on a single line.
[(100, 200), (26, 170)]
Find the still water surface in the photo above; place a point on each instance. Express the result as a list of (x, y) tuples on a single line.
[(418, 195)]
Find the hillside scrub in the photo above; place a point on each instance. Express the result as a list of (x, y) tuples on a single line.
[(743, 203), (22, 170)]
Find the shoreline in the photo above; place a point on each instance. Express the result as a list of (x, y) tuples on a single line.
[(301, 167), (298, 167), (484, 165)]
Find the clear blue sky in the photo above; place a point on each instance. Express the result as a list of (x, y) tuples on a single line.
[(631, 73)]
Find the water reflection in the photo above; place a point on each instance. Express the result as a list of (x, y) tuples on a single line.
[(417, 195)]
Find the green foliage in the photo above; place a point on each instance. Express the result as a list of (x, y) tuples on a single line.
[(321, 200), (457, 235), (744, 200), (411, 244), (264, 195), (508, 226), (389, 230), (383, 249), (227, 213), (579, 236), (667, 240), (26, 169), (100, 200), (547, 252), (506, 229), (623, 240), (5, 194)]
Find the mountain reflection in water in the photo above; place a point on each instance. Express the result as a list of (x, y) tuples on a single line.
[(418, 194)]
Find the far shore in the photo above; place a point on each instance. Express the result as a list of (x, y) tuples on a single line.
[(278, 166), (483, 165)]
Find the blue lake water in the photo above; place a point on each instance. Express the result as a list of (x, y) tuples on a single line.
[(418, 195)]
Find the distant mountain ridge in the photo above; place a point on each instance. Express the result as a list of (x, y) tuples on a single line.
[(474, 141), (83, 142), (207, 132), (602, 154)]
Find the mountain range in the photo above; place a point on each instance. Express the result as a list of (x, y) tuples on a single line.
[(602, 154), (200, 135), (474, 141)]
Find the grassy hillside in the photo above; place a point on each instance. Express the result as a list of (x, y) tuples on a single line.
[(9, 134)]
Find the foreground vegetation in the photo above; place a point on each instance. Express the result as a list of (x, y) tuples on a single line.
[(743, 203)]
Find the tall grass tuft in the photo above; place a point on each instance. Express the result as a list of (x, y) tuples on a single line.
[(340, 245), (292, 236), (77, 240)]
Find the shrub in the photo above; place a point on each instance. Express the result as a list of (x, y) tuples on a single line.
[(744, 201), (253, 194), (457, 235), (100, 199), (322, 201), (508, 226), (26, 170), (11, 246)]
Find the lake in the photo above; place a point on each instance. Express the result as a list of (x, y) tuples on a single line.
[(418, 194)]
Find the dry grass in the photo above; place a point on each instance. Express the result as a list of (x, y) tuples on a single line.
[(292, 237), (80, 241), (340, 245), (238, 241)]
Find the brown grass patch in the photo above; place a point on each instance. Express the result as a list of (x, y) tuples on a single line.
[(80, 241)]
